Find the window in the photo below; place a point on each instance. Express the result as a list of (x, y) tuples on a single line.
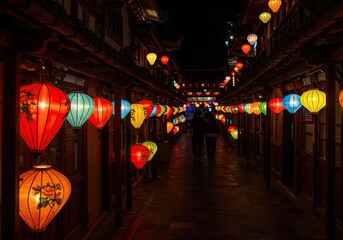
[(115, 25)]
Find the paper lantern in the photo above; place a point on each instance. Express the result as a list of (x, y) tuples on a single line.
[(149, 105), (154, 110), (234, 133), (241, 108), (164, 59), (239, 65), (43, 110), (230, 128), (170, 126), (246, 49), (255, 108), (263, 107), (152, 147), (176, 129), (163, 110), (125, 108), (274, 5), (42, 194), (103, 110), (265, 16), (168, 112), (151, 57), (313, 100), (138, 113), (252, 38), (139, 155), (247, 108), (223, 119), (158, 110), (292, 102), (340, 98), (81, 109), (275, 105)]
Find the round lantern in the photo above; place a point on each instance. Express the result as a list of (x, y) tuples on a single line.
[(149, 105), (255, 108), (81, 109), (151, 57), (153, 112), (276, 106), (164, 59), (252, 38), (292, 102), (42, 194), (265, 16), (125, 108), (340, 98), (274, 5), (43, 110), (313, 100), (263, 107), (138, 113), (103, 110), (239, 65), (246, 49), (234, 133), (241, 108), (247, 108), (170, 126), (229, 129), (176, 129), (139, 155), (152, 147)]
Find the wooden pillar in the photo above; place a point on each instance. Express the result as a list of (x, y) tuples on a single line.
[(267, 133), (239, 133), (10, 85), (128, 155)]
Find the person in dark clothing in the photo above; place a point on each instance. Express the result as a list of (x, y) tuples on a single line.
[(198, 133), (212, 132)]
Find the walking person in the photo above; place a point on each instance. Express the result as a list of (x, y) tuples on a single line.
[(198, 133), (212, 132)]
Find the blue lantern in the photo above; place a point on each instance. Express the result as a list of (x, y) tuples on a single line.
[(292, 102), (81, 109), (125, 108), (153, 111)]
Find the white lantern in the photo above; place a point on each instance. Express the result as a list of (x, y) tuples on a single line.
[(252, 38)]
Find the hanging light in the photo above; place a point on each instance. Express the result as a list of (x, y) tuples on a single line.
[(164, 59), (313, 100), (139, 155), (246, 49), (274, 5), (151, 57), (252, 38), (231, 128), (158, 110), (239, 66), (163, 110), (81, 109), (241, 108), (276, 106), (152, 147), (255, 108), (43, 110), (125, 108), (223, 119), (340, 98), (153, 112), (149, 105), (176, 129), (247, 108), (138, 113), (265, 16), (168, 112), (42, 194), (234, 133), (170, 126), (103, 110), (292, 102), (263, 108)]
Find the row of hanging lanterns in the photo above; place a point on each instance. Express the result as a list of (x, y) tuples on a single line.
[(274, 5), (152, 57)]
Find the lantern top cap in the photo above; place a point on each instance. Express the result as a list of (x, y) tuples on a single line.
[(43, 167)]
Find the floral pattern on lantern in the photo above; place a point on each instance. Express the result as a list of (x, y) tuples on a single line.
[(313, 100), (103, 110), (152, 147), (81, 109), (138, 113), (149, 105), (139, 155)]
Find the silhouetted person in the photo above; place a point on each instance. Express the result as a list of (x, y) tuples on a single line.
[(198, 133), (212, 132)]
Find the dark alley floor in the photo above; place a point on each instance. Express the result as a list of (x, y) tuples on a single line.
[(201, 200)]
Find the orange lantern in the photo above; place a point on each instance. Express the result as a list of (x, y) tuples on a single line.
[(43, 110), (103, 110), (170, 126), (274, 5), (137, 114), (246, 49), (139, 155), (275, 105), (42, 194), (340, 98), (149, 106), (255, 108), (164, 59), (239, 65)]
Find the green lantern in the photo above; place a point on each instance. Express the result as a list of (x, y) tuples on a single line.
[(263, 107), (152, 146)]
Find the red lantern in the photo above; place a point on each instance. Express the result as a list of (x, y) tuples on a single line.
[(176, 129), (158, 110), (169, 112), (229, 129), (43, 110), (239, 65), (246, 49), (139, 155), (102, 112), (149, 105), (275, 105), (223, 119), (164, 59)]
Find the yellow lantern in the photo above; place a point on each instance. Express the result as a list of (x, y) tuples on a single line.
[(151, 57), (265, 16), (274, 5), (313, 100), (255, 108), (170, 126), (234, 133), (42, 194), (138, 112), (247, 108), (152, 146)]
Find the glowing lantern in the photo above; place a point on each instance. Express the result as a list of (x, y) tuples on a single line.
[(168, 112), (125, 108), (43, 110), (149, 106), (163, 110), (223, 119), (151, 57), (103, 110), (252, 38), (231, 128), (234, 133), (81, 109), (263, 107), (42, 194), (292, 102), (313, 100), (139, 155), (239, 65), (152, 147), (275, 105), (158, 110), (153, 112), (265, 16), (241, 108), (255, 108), (164, 59), (176, 129), (274, 5), (138, 113), (170, 126), (340, 98), (246, 49), (247, 108)]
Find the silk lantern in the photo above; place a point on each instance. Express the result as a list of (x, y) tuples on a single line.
[(42, 194), (163, 110), (176, 129), (158, 110), (149, 105), (247, 108), (263, 107), (292, 102), (230, 128), (313, 100), (241, 107), (164, 59), (234, 133), (255, 108), (103, 110), (152, 147), (153, 112), (275, 105), (274, 5), (43, 110), (246, 49), (125, 108), (170, 126), (139, 155), (82, 107), (265, 16), (340, 98), (239, 65), (138, 113), (168, 112), (252, 38), (151, 57)]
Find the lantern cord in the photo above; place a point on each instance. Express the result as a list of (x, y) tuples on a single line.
[(40, 159)]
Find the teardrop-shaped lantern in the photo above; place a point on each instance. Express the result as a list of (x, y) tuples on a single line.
[(176, 129), (274, 5), (276, 106), (340, 98), (247, 108), (138, 112), (168, 112), (149, 106), (313, 100), (81, 109), (263, 108), (246, 49), (255, 108), (152, 147), (139, 155), (103, 110), (164, 59), (223, 119), (231, 128), (151, 57), (239, 65), (43, 110), (125, 108), (42, 194), (252, 38), (234, 133), (292, 102), (265, 16), (170, 126)]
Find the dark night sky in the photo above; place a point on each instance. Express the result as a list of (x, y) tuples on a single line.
[(204, 25)]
